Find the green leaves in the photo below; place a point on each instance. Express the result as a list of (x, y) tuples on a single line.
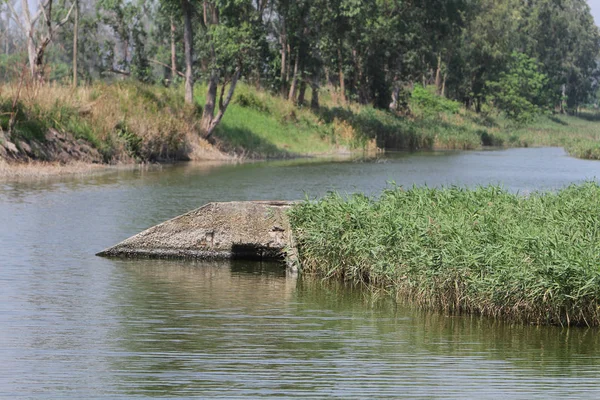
[(429, 102), (521, 91)]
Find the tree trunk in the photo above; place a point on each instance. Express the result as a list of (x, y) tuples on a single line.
[(314, 87), (341, 73), (292, 94), (283, 42), (40, 52), (7, 35), (208, 112), (75, 39), (187, 42), (356, 82), (211, 122), (302, 91), (562, 100), (395, 95), (31, 55), (444, 84), (288, 66), (173, 51), (36, 52), (438, 75)]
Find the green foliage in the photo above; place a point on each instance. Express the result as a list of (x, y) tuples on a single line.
[(471, 50), (428, 102), (10, 66), (520, 92), (258, 115), (232, 43), (26, 127), (126, 19), (532, 259)]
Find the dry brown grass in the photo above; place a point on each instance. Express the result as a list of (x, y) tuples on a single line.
[(127, 121)]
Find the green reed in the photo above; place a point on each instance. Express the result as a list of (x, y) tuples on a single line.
[(528, 258)]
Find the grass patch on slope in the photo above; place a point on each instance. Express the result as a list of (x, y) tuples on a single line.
[(259, 124), (579, 135), (125, 121), (531, 259)]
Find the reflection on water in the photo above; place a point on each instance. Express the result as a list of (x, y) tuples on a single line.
[(74, 325)]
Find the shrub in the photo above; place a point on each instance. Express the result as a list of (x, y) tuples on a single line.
[(429, 102)]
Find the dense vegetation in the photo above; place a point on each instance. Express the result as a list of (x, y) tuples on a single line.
[(353, 74), (523, 57), (129, 121), (528, 258)]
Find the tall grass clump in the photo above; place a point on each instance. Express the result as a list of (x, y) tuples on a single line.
[(532, 259)]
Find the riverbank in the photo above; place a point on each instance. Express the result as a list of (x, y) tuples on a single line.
[(530, 259), (131, 123), (39, 169)]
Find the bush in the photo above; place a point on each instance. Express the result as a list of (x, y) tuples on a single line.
[(429, 102)]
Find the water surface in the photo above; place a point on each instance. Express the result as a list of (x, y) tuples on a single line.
[(73, 325)]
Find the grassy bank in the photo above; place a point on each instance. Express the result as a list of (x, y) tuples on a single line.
[(128, 122), (118, 123), (259, 124), (531, 259), (262, 124), (579, 135)]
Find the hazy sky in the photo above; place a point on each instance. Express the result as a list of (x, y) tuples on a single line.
[(595, 6)]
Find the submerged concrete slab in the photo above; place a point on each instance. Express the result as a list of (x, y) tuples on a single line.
[(240, 229)]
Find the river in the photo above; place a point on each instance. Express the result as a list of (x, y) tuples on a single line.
[(73, 325)]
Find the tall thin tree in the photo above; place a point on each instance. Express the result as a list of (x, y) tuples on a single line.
[(75, 39)]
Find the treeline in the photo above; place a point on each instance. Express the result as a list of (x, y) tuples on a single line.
[(521, 56)]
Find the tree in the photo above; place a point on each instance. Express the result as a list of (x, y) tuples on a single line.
[(520, 91), (229, 44), (126, 20), (75, 37), (188, 35), (38, 39)]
